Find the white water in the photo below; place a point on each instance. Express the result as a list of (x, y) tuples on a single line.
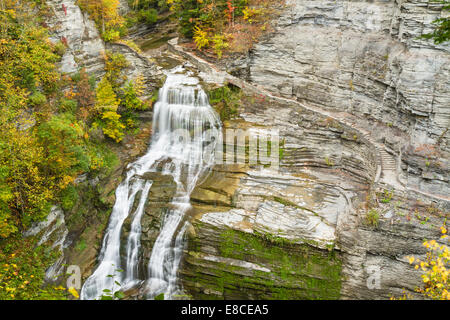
[(186, 130)]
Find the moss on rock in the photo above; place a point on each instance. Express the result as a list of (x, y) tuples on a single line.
[(230, 264)]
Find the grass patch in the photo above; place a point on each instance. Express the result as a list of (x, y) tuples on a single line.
[(372, 218)]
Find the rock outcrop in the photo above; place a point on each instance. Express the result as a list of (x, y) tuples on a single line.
[(330, 159), (365, 58), (79, 34)]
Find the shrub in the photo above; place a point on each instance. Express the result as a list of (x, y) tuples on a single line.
[(387, 196), (220, 44), (111, 35), (27, 188), (113, 128), (200, 38), (59, 48), (69, 105), (149, 16), (131, 92), (225, 101), (106, 98), (69, 197), (85, 94), (441, 32), (37, 99), (114, 64), (63, 140), (372, 217), (436, 269)]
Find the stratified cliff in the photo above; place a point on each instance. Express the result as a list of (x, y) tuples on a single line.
[(366, 58)]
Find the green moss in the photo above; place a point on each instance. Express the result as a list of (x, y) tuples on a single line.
[(226, 101), (81, 245), (296, 271), (69, 197)]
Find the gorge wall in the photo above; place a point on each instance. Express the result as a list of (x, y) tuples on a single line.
[(365, 58), (361, 63)]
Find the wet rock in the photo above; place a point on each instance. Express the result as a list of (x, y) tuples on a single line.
[(160, 196)]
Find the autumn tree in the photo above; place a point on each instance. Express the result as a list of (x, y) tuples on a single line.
[(106, 15), (436, 269), (105, 96), (85, 95)]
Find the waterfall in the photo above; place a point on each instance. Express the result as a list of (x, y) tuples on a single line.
[(185, 133)]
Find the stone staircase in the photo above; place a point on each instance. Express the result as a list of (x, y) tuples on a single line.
[(387, 172)]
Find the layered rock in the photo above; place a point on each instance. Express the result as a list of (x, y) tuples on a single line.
[(79, 34), (364, 58), (329, 159), (263, 233), (158, 203)]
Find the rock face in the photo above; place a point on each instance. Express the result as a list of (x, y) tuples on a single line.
[(79, 33), (229, 264), (261, 233), (310, 214), (364, 58), (138, 65), (52, 230), (160, 196), (333, 174)]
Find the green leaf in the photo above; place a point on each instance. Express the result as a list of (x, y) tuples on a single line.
[(160, 296), (119, 294)]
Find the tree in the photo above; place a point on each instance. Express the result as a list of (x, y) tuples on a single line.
[(436, 269), (113, 127), (85, 95), (26, 189), (442, 32), (106, 15), (106, 98)]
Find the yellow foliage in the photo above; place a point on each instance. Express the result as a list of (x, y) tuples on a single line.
[(74, 292), (252, 14), (106, 98), (139, 85), (200, 38), (220, 44), (114, 128), (106, 15), (436, 269)]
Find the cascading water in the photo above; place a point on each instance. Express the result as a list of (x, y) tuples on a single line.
[(186, 131)]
